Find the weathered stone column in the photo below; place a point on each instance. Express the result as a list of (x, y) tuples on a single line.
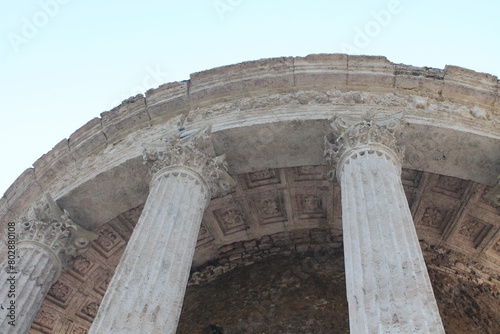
[(37, 258), (388, 287), (147, 289)]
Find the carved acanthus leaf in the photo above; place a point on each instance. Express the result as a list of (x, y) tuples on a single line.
[(195, 151), (80, 237), (357, 133), (53, 235)]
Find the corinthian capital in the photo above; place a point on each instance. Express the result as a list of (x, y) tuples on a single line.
[(52, 235), (196, 152), (365, 134), (49, 226)]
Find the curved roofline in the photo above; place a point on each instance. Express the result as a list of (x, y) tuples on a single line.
[(461, 107)]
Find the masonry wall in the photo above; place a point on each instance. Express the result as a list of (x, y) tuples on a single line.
[(294, 283)]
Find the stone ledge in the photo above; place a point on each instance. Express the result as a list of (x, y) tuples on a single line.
[(167, 101), (244, 79), (321, 71), (53, 164), (87, 140), (240, 83), (370, 71), (24, 191), (465, 85), (130, 115)]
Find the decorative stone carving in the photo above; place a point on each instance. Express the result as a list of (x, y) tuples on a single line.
[(303, 241), (232, 218), (204, 236), (46, 318), (451, 183), (386, 293), (262, 175), (311, 204), (261, 178), (493, 195), (79, 330), (270, 207), (194, 151), (107, 238), (433, 217), (54, 236), (41, 252), (496, 248), (80, 237), (60, 291), (91, 309), (81, 265), (147, 289), (102, 284), (307, 170), (363, 136), (306, 173), (471, 229)]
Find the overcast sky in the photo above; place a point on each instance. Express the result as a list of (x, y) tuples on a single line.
[(63, 62)]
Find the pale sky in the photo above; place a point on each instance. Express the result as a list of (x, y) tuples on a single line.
[(63, 62)]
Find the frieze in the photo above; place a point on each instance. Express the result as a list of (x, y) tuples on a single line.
[(420, 104)]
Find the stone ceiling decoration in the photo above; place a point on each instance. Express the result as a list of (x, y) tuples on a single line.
[(268, 121), (285, 212)]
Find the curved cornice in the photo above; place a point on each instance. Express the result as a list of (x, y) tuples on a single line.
[(282, 104)]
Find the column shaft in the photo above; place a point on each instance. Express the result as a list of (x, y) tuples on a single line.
[(147, 290), (37, 270), (388, 287)]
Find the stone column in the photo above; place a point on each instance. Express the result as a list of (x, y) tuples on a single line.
[(146, 292), (388, 287), (26, 276)]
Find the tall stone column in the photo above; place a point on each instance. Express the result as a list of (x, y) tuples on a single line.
[(26, 276), (388, 287), (146, 292)]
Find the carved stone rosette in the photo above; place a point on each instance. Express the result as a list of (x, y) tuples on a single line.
[(358, 136), (195, 152)]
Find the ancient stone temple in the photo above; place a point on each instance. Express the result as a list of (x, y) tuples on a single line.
[(318, 194)]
